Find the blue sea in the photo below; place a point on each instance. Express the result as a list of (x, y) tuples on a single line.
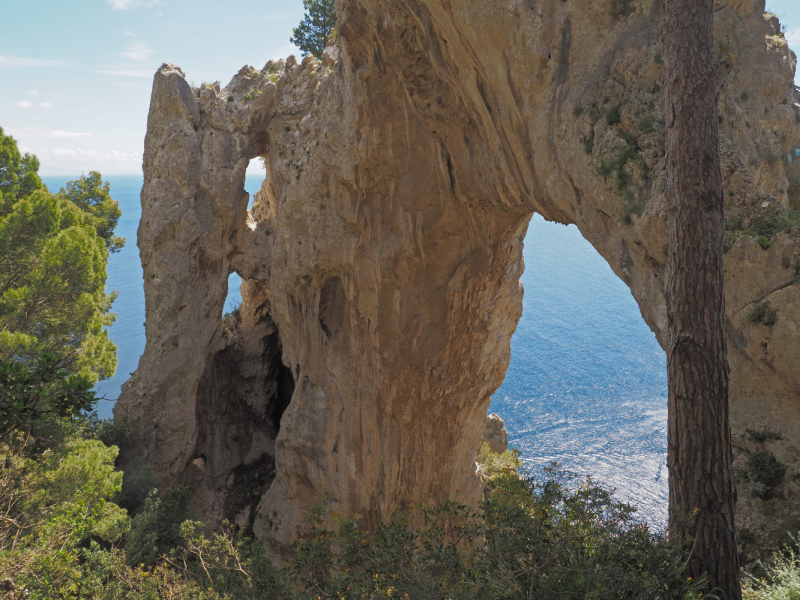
[(587, 384)]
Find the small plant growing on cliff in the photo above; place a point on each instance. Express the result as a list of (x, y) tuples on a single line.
[(763, 473), (588, 142), (762, 314), (733, 224), (577, 110), (762, 435), (613, 115)]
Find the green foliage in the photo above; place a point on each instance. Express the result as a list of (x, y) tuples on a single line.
[(770, 157), (92, 195), (231, 322), (157, 529), (762, 314), (318, 23), (733, 224), (560, 537), (781, 580), (40, 391), (52, 504), (588, 142), (493, 465), (577, 110), (53, 272), (763, 435), (794, 192), (18, 174), (658, 58), (613, 115), (555, 537), (763, 473)]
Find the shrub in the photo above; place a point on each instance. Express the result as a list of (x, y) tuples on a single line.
[(157, 529), (613, 115), (781, 580), (763, 435), (733, 224), (33, 394), (52, 504), (794, 192), (762, 314), (763, 473)]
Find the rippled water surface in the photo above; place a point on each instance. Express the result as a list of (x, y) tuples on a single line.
[(587, 382)]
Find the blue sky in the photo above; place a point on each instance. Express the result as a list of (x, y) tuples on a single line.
[(75, 74)]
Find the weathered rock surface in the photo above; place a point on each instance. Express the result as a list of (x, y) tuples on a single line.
[(495, 434), (382, 255)]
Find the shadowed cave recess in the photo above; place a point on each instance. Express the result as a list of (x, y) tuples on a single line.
[(241, 398)]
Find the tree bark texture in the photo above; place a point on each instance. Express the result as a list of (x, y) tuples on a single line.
[(701, 488)]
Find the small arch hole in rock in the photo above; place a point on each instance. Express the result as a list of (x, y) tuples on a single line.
[(256, 173), (234, 298)]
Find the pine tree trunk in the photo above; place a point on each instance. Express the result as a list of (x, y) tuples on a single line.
[(701, 489)]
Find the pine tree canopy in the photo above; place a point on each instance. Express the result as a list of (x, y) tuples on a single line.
[(311, 36), (54, 252)]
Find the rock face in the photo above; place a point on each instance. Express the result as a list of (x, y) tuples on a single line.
[(495, 434), (382, 255)]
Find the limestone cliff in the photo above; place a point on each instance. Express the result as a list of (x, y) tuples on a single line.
[(383, 253)]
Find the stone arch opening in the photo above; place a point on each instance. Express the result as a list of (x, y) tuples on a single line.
[(254, 179), (586, 385), (241, 398)]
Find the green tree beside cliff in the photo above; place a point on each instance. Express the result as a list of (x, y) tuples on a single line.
[(54, 252), (311, 36)]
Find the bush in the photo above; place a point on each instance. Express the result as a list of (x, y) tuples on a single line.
[(763, 473), (52, 505), (156, 531), (781, 580), (762, 314), (547, 537)]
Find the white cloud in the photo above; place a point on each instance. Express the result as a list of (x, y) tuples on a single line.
[(36, 133), (126, 72), (47, 105), (130, 4), (21, 61), (138, 51), (35, 93), (72, 155), (68, 134), (24, 104)]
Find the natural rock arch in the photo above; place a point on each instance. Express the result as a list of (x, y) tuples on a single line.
[(402, 171)]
